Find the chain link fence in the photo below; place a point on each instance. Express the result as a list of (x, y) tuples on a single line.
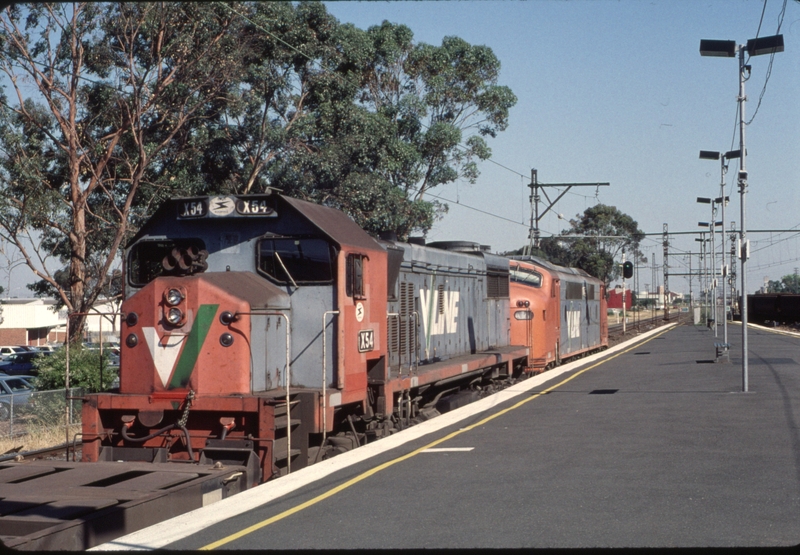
[(28, 412)]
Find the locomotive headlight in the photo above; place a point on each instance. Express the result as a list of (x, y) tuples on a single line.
[(173, 297), (523, 315), (174, 316)]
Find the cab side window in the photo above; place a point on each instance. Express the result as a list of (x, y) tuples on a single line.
[(354, 276)]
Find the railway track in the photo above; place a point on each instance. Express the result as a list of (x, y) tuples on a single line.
[(633, 328), (65, 451)]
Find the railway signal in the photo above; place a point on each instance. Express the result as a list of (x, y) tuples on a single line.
[(627, 269)]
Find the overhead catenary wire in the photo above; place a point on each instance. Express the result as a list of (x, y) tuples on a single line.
[(300, 52)]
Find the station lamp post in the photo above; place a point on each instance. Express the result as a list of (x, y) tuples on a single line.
[(712, 225), (723, 200), (702, 268), (729, 49)]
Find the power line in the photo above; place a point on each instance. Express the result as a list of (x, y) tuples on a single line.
[(771, 57)]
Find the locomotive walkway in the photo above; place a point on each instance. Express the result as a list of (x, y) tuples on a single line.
[(651, 444)]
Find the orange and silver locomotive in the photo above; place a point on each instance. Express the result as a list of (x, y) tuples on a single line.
[(271, 332)]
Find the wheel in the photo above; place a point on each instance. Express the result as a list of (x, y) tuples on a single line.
[(5, 411)]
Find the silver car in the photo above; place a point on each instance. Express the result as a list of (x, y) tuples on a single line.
[(15, 392)]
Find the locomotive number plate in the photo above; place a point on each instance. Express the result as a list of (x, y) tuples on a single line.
[(192, 208), (366, 341), (258, 206)]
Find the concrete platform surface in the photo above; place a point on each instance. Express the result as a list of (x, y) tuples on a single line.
[(652, 446)]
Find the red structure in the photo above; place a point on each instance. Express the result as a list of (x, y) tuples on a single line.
[(615, 298)]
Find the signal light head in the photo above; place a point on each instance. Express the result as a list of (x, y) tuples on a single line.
[(627, 269)]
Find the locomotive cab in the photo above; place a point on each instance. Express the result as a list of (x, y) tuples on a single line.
[(248, 322)]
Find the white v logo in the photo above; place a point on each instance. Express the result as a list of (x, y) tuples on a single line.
[(164, 352)]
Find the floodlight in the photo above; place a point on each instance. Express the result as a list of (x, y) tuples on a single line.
[(763, 45), (721, 48)]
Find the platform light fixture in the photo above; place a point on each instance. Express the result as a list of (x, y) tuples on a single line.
[(703, 273), (722, 200), (729, 49)]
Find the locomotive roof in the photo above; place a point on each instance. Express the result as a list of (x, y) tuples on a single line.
[(334, 223), (330, 221), (553, 267)]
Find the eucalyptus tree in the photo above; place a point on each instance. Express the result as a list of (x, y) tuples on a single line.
[(594, 242), (108, 108), (367, 121), (101, 106)]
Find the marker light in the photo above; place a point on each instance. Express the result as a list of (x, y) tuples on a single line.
[(173, 297), (174, 316)]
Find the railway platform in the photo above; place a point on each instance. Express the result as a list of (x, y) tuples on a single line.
[(650, 444)]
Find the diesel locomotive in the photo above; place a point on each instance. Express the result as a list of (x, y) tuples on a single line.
[(272, 332)]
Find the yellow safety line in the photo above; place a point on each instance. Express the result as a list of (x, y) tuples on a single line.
[(407, 456)]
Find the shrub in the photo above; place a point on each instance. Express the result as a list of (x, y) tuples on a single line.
[(85, 366)]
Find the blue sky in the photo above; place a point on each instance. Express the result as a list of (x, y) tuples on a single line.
[(616, 91)]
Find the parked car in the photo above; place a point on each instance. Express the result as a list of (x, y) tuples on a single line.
[(15, 392), (20, 363), (7, 350), (44, 348), (108, 346)]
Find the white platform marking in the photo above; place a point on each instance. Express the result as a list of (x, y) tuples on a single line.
[(447, 449)]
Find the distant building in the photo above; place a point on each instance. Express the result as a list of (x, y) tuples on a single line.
[(655, 298), (615, 298), (34, 322)]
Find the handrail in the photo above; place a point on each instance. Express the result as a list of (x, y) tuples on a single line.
[(325, 376), (256, 312)]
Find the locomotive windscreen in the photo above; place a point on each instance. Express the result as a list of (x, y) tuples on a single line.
[(528, 277), (296, 259)]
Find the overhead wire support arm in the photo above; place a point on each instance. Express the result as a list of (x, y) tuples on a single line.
[(535, 186)]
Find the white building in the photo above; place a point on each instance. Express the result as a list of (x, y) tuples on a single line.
[(34, 322)]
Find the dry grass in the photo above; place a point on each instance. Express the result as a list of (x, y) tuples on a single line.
[(31, 438)]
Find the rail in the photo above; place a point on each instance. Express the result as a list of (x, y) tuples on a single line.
[(616, 330), (39, 453)]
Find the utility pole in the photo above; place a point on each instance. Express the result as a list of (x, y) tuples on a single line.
[(624, 317), (732, 278), (535, 186), (691, 300), (666, 272)]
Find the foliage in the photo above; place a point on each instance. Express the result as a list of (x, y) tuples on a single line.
[(103, 100), (365, 121), (787, 284), (109, 108), (84, 369), (603, 233)]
